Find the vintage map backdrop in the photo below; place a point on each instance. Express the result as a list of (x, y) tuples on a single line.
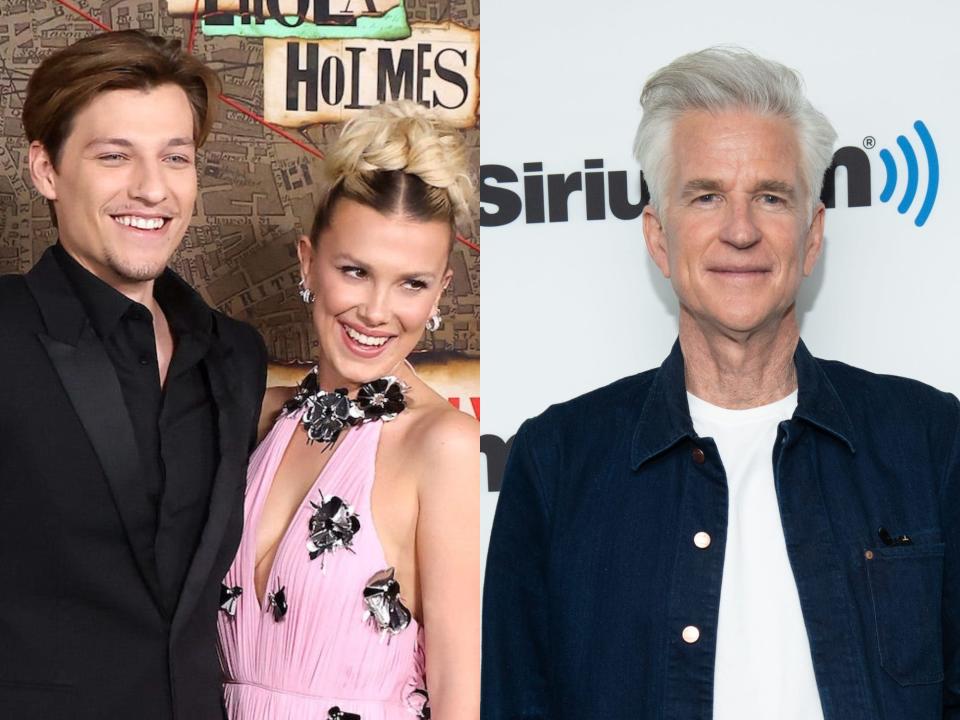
[(256, 188)]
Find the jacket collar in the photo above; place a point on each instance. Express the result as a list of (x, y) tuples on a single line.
[(818, 401), (63, 314), (665, 417)]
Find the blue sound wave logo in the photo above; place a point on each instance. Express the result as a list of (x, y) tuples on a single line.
[(913, 174)]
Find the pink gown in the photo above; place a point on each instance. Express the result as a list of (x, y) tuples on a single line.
[(322, 654)]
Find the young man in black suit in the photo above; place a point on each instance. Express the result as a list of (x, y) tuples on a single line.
[(127, 406)]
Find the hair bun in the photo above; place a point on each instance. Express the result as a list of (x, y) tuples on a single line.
[(403, 136)]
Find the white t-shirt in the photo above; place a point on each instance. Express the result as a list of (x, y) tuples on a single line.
[(763, 666)]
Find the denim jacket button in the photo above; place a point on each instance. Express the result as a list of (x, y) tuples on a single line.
[(691, 634), (698, 456), (702, 540)]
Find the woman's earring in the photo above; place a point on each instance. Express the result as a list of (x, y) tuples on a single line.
[(435, 321), (306, 294)]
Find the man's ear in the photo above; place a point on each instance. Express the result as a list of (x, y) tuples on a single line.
[(656, 239), (813, 244), (42, 172)]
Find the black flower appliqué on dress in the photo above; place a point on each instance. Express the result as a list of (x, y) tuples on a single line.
[(229, 597), (384, 610), (382, 399), (332, 525), (327, 414)]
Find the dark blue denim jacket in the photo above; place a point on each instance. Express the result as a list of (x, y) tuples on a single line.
[(592, 572)]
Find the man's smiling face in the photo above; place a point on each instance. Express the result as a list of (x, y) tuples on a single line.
[(736, 233), (125, 183)]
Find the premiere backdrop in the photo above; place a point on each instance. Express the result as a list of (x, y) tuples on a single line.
[(571, 300), (292, 72)]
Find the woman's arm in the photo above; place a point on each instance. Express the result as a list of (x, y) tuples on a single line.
[(448, 558)]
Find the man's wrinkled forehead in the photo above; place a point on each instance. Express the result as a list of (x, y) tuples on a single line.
[(707, 149)]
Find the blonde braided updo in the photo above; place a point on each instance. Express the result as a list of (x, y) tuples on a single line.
[(400, 158)]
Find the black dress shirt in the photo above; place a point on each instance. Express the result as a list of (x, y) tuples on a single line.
[(174, 424)]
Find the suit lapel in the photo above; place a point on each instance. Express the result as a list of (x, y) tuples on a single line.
[(91, 383), (232, 448)]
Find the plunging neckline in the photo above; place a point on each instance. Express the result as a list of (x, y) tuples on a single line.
[(294, 420), (305, 661)]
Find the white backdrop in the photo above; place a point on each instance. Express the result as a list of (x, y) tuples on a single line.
[(569, 306)]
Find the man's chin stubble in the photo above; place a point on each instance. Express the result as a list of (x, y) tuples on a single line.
[(137, 273)]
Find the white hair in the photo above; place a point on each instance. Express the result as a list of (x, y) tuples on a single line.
[(728, 78)]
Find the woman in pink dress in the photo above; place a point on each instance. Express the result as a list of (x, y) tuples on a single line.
[(355, 592)]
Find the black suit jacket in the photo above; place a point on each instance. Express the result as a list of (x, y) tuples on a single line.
[(83, 629)]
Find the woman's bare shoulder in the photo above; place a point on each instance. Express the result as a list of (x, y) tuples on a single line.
[(442, 436), (273, 400)]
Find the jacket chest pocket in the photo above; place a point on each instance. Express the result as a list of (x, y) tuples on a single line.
[(906, 584)]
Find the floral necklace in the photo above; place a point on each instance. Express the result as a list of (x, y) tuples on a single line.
[(328, 413)]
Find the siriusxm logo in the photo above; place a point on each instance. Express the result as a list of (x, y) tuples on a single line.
[(913, 174), (546, 197)]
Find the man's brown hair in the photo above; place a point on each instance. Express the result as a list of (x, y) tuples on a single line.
[(66, 81)]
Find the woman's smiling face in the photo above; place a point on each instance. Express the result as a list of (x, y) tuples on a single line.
[(377, 279)]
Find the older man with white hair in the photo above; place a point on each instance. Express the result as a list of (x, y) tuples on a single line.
[(746, 532)]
